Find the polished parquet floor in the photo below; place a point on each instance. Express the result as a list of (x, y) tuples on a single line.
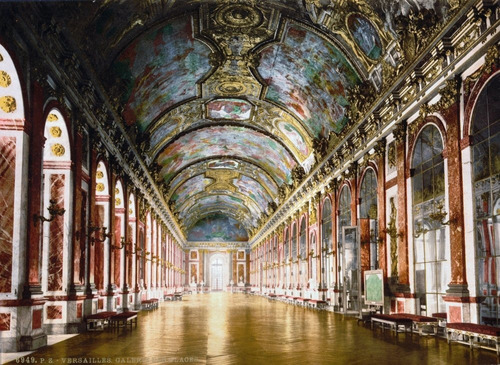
[(225, 328)]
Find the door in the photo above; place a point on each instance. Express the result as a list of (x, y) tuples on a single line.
[(216, 275)]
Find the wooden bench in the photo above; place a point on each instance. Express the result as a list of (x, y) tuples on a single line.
[(97, 321), (178, 296), (271, 296), (474, 335), (302, 301), (123, 320), (168, 297), (317, 304), (149, 304), (420, 322), (393, 321)]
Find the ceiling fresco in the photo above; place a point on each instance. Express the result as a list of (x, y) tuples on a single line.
[(263, 150), (309, 76), (218, 227), (243, 168), (226, 100), (233, 109), (161, 69)]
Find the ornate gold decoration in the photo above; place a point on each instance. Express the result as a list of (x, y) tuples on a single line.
[(1, 57), (5, 79), (117, 191), (400, 132), (391, 155), (130, 211), (52, 118), (223, 179), (379, 148), (231, 88), (55, 132), (298, 175), (99, 174), (118, 201), (58, 150), (239, 16), (8, 104), (99, 187), (416, 31), (492, 58), (392, 231), (449, 95), (360, 98), (334, 16)]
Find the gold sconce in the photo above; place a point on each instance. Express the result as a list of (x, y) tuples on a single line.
[(54, 211), (94, 229)]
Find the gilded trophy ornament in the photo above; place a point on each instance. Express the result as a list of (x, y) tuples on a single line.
[(8, 104), (58, 150), (55, 132), (5, 79)]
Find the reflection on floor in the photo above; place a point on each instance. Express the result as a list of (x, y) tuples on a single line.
[(225, 328)]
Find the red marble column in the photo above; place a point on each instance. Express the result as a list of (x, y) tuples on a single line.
[(364, 225), (56, 236), (99, 250), (7, 186), (456, 200), (37, 142), (381, 204), (130, 248), (402, 217), (117, 237), (76, 275), (94, 220)]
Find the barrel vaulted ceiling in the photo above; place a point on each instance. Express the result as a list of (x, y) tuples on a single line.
[(228, 101)]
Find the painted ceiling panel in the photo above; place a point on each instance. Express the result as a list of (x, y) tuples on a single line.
[(293, 135), (309, 76), (160, 69), (254, 190), (221, 204), (204, 200), (365, 35), (218, 227), (227, 141), (234, 109), (190, 188)]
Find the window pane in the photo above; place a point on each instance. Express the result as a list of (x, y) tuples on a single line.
[(495, 154), (481, 161), (438, 180)]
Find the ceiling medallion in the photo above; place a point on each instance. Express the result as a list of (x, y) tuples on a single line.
[(231, 88), (239, 15)]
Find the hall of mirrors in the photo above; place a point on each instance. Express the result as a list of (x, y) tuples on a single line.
[(288, 149)]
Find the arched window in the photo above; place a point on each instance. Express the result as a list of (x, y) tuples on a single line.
[(344, 210), (287, 246), (368, 195), (294, 241), (303, 236), (486, 168), (326, 244), (326, 225), (344, 221), (431, 273), (368, 213), (275, 249)]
